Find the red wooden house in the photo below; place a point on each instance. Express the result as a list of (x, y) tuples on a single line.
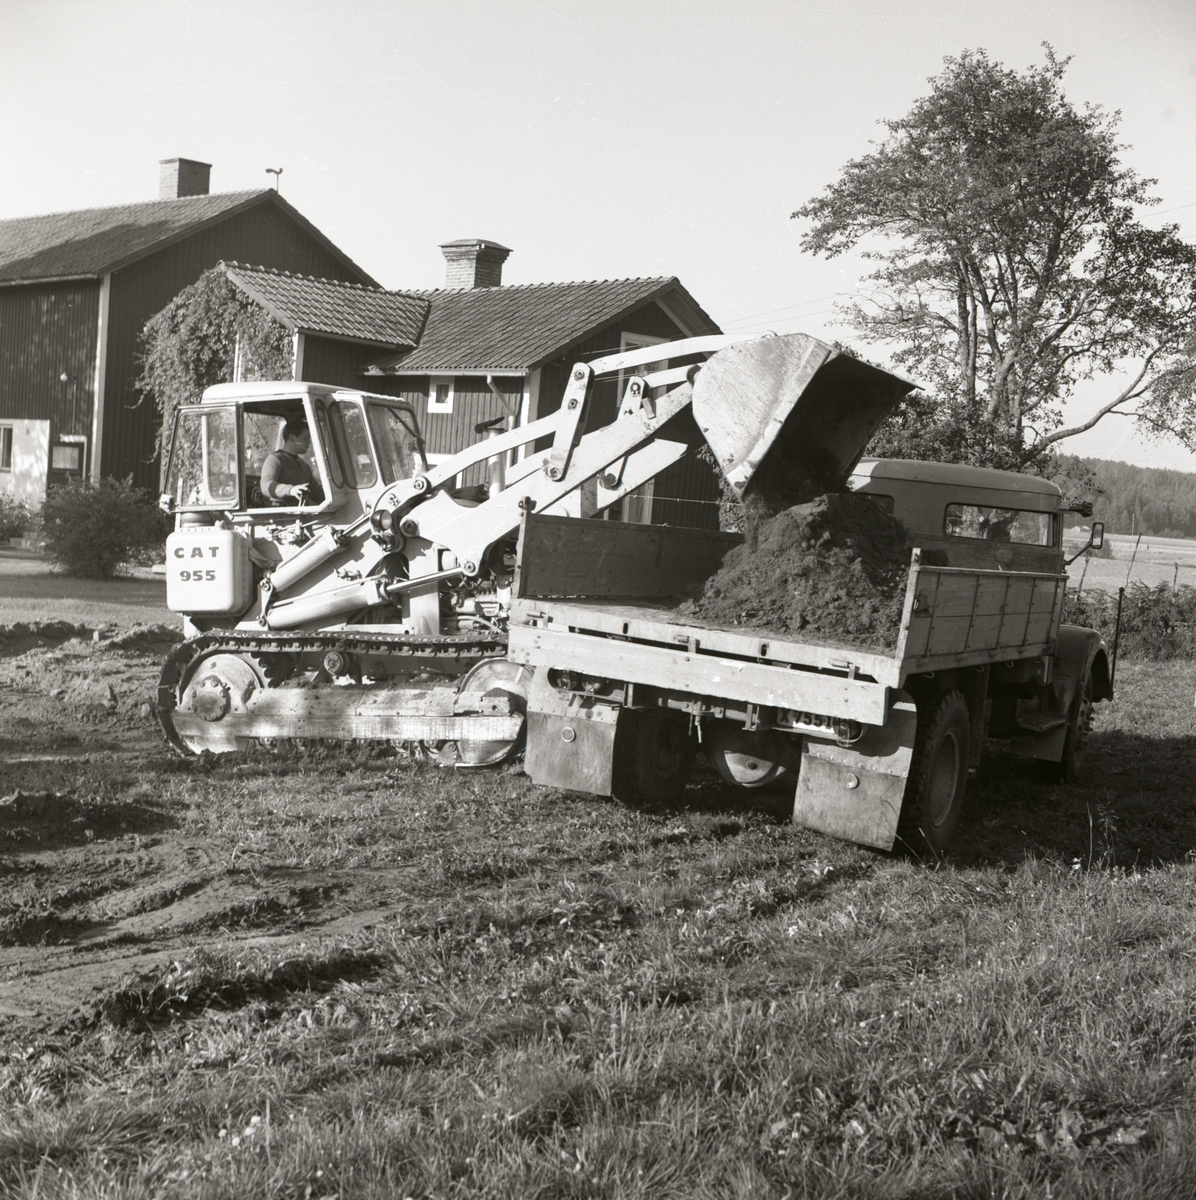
[(476, 350), (76, 288)]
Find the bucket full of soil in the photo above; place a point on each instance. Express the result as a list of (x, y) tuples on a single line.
[(833, 569)]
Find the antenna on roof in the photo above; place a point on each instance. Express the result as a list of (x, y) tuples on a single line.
[(276, 172)]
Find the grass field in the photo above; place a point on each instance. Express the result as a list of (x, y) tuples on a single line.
[(562, 997), (30, 590), (1152, 561)]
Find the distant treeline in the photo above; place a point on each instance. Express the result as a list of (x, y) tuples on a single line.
[(1132, 499)]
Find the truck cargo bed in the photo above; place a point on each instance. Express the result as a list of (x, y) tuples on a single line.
[(952, 617)]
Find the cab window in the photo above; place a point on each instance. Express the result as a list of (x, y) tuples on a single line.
[(397, 438), (203, 459), (1000, 524), (360, 460), (263, 435), (332, 448), (886, 504)]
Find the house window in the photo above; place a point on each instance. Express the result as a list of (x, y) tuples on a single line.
[(440, 394), (5, 447), (66, 456), (637, 341)]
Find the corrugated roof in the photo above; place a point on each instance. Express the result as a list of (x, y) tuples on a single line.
[(521, 327), (345, 310), (93, 241)]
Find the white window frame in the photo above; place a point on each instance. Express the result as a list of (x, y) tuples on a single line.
[(72, 439), (8, 433), (440, 406)]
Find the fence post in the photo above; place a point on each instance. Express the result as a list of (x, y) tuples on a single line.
[(1116, 638)]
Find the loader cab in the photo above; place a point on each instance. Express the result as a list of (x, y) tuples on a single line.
[(971, 517), (360, 443)]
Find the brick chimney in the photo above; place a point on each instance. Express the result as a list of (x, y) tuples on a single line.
[(179, 177), (474, 263)]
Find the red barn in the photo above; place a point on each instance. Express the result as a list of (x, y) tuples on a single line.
[(76, 288)]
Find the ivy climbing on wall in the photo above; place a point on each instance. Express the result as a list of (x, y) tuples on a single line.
[(196, 340)]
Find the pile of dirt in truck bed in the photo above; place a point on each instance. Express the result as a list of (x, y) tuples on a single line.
[(833, 569)]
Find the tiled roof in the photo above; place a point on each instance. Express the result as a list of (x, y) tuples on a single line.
[(519, 328), (92, 241), (345, 310)]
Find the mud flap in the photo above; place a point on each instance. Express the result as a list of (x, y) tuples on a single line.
[(1045, 746), (570, 741), (855, 792)]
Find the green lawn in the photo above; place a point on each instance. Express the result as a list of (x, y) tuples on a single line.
[(567, 997)]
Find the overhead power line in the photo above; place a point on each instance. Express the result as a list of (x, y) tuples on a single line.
[(788, 308)]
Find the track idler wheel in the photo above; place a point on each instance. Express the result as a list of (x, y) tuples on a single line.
[(492, 678), (215, 686)]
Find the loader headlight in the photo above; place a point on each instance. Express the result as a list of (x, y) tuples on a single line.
[(382, 522)]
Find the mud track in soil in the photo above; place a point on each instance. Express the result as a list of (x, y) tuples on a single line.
[(99, 883)]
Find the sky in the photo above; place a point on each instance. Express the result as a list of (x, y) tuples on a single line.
[(597, 140)]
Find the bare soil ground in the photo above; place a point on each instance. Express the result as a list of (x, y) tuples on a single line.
[(330, 973), (99, 877)]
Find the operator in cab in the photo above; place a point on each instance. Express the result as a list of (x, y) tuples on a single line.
[(287, 477)]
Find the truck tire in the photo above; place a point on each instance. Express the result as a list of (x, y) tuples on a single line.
[(653, 756), (1067, 769), (743, 759), (938, 775)]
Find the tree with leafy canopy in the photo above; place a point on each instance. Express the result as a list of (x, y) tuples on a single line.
[(196, 339), (1012, 267)]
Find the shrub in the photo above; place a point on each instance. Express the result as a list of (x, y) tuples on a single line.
[(91, 529), (1156, 623), (15, 517)]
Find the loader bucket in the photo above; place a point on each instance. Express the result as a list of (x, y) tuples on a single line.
[(788, 417)]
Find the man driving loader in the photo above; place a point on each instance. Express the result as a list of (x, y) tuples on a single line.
[(287, 478)]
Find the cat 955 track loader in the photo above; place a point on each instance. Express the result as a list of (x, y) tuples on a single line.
[(380, 611)]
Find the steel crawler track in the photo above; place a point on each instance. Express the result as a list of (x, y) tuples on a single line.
[(449, 648)]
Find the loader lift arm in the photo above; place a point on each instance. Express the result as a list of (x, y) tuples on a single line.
[(745, 399)]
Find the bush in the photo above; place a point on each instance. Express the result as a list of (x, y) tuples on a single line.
[(1156, 623), (91, 529), (15, 517)]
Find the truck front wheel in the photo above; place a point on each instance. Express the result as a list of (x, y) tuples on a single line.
[(653, 756), (938, 774), (1067, 770)]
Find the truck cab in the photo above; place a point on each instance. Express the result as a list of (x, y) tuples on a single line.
[(973, 517)]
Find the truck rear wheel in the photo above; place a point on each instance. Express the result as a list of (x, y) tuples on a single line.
[(654, 754), (743, 759), (938, 774)]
